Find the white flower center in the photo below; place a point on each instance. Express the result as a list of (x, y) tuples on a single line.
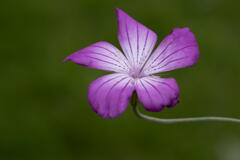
[(136, 72)]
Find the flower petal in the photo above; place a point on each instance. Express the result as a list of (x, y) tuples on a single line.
[(109, 95), (136, 40), (177, 50), (101, 55), (156, 93)]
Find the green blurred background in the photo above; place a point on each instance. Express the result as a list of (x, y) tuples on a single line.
[(44, 114)]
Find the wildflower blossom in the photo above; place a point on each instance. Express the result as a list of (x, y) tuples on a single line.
[(135, 67)]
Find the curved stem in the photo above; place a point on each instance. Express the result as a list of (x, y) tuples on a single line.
[(182, 120)]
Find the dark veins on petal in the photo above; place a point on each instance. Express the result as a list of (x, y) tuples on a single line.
[(113, 53), (121, 92), (109, 91), (147, 92), (104, 61), (128, 38), (155, 89), (154, 80), (175, 60), (105, 82), (144, 47), (171, 54), (166, 47), (105, 56)]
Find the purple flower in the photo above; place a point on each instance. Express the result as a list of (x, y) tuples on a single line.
[(135, 67)]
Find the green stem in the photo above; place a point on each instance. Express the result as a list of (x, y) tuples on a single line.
[(177, 120)]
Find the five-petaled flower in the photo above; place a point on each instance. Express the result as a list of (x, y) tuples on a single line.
[(134, 69)]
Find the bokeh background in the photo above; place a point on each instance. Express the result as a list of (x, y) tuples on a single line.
[(44, 114)]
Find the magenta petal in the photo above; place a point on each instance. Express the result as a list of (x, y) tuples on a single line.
[(101, 55), (109, 95), (155, 93), (177, 50), (136, 40)]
